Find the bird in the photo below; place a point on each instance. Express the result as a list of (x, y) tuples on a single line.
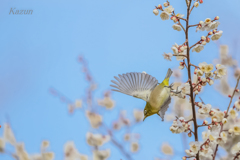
[(146, 87)]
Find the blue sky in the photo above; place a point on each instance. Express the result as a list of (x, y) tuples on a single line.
[(40, 51)]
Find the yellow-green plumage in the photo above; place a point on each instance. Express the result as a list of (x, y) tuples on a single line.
[(144, 86), (157, 98)]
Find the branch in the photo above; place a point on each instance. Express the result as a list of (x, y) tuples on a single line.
[(189, 77), (201, 100), (232, 96), (179, 55), (193, 25), (191, 9), (182, 26), (120, 147), (193, 65), (226, 114), (195, 44)]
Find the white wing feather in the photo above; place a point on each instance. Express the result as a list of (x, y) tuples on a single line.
[(139, 85)]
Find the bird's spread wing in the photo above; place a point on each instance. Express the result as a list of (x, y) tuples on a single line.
[(164, 108), (139, 85)]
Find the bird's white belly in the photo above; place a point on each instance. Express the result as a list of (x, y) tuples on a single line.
[(158, 97)]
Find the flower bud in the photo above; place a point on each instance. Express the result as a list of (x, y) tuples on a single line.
[(207, 39), (184, 158), (210, 33), (230, 131), (201, 22), (214, 120), (209, 127), (229, 96), (189, 134), (196, 92), (224, 121), (203, 38), (200, 104), (201, 1), (182, 48), (211, 82), (205, 122), (156, 12), (206, 145), (174, 18), (211, 113), (196, 4), (204, 79), (237, 90), (199, 26), (165, 4), (216, 18), (159, 6)]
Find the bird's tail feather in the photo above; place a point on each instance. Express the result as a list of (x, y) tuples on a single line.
[(169, 73)]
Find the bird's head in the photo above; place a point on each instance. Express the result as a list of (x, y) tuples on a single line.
[(147, 112)]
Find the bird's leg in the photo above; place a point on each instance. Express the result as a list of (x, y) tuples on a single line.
[(175, 91), (170, 86)]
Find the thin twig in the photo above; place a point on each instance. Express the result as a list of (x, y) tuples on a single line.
[(195, 44), (182, 26), (193, 25), (193, 65), (201, 100), (179, 55), (232, 96)]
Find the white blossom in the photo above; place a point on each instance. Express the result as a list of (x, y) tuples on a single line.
[(106, 102), (237, 105), (222, 138), (101, 154), (205, 135), (164, 15), (95, 119), (208, 68), (138, 115), (205, 109), (169, 9), (206, 152), (233, 114), (202, 66), (175, 48), (214, 25), (2, 145), (236, 148), (168, 56), (196, 4), (198, 48), (177, 27), (217, 35), (194, 146), (8, 134), (180, 15), (221, 70), (156, 12), (236, 130), (207, 20), (96, 139), (134, 147)]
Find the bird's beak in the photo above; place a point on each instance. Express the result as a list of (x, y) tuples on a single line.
[(144, 118)]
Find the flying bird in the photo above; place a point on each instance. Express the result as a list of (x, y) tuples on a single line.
[(146, 87)]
